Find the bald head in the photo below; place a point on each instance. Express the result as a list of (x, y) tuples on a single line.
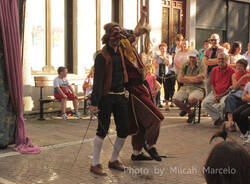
[(215, 40)]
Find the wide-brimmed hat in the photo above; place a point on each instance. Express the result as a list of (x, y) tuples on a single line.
[(108, 31)]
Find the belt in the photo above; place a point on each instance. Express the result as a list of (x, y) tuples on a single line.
[(116, 93)]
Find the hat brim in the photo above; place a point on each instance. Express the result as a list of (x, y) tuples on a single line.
[(192, 56)]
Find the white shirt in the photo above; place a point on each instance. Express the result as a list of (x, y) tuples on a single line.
[(247, 89), (180, 58), (177, 50), (247, 57), (90, 88), (58, 82), (234, 59)]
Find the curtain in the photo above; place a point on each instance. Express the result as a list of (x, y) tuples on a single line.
[(9, 20), (7, 117)]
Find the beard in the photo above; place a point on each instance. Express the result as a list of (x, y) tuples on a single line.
[(223, 66)]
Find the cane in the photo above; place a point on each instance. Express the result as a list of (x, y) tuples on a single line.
[(94, 114), (75, 159)]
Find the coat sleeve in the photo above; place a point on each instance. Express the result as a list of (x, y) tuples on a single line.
[(99, 71)]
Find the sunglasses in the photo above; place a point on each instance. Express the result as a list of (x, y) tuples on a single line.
[(213, 40)]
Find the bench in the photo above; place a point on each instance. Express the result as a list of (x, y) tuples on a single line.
[(47, 81)]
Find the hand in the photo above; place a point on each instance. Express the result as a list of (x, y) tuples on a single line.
[(65, 96), (166, 61), (217, 99), (93, 109), (154, 94), (144, 11), (246, 76)]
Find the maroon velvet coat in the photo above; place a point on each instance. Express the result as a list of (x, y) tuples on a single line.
[(141, 106)]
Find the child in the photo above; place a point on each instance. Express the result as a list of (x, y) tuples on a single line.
[(63, 91), (88, 83), (88, 88), (150, 77)]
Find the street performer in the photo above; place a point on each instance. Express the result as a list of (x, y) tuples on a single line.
[(108, 97), (144, 117)]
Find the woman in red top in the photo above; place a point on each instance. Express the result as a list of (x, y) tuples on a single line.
[(239, 80)]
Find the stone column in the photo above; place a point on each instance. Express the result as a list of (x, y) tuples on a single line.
[(191, 21), (28, 80), (155, 21)]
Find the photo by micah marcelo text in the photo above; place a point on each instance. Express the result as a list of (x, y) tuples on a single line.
[(176, 170)]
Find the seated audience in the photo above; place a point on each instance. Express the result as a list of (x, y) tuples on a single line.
[(221, 80), (233, 100), (240, 115), (192, 75), (63, 91)]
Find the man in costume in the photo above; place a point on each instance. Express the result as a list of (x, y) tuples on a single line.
[(108, 97), (144, 116)]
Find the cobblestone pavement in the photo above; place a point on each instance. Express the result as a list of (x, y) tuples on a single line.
[(186, 147)]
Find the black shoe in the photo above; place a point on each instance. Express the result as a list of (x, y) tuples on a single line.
[(160, 106), (191, 117), (153, 153), (139, 157), (183, 113)]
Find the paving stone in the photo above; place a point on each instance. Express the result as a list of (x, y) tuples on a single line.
[(186, 147)]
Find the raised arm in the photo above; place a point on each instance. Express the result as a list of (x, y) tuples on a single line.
[(237, 84), (144, 13)]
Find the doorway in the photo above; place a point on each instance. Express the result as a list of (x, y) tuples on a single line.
[(173, 20)]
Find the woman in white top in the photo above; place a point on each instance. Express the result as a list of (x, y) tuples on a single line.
[(234, 53), (147, 55), (181, 57), (247, 56), (162, 64)]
